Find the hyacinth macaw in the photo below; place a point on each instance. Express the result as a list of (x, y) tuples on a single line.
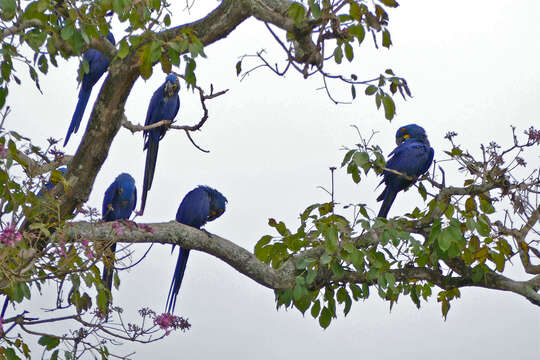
[(164, 105), (199, 206), (118, 203), (413, 156), (98, 66), (49, 185)]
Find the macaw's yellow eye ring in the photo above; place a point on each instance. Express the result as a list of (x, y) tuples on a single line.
[(220, 211), (213, 212), (406, 136)]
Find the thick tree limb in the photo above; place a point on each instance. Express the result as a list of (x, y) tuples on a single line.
[(284, 277)]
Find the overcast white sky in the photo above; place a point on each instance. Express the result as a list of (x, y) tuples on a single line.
[(472, 68)]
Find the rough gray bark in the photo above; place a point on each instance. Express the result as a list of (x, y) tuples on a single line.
[(284, 277)]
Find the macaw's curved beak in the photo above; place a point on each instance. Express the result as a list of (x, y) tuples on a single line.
[(402, 138)]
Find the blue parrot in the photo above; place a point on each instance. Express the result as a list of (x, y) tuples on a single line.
[(118, 203), (98, 66), (164, 105), (49, 185), (199, 206), (413, 156)]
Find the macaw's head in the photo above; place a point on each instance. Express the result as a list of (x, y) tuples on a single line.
[(217, 203), (125, 186), (411, 131), (111, 39), (172, 85)]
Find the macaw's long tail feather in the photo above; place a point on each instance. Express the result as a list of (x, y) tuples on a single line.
[(177, 279), (151, 156), (84, 95), (388, 197)]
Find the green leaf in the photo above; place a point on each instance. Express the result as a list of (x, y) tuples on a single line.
[(483, 225), (167, 20), (338, 270), (8, 5), (354, 11), (338, 54), (11, 354), (470, 204), (325, 318), (390, 3), (445, 239), (386, 40), (389, 107), (42, 64), (422, 190), (296, 12), (349, 54), (3, 95), (54, 355), (102, 300), (49, 342), (486, 206), (325, 259), (331, 236), (124, 49), (315, 9), (67, 31), (342, 295), (358, 32), (311, 275), (315, 308), (303, 263), (371, 89)]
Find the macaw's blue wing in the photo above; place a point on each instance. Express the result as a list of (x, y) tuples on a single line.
[(199, 206), (118, 203), (164, 105), (411, 157), (98, 65)]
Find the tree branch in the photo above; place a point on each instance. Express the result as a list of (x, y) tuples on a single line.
[(284, 277)]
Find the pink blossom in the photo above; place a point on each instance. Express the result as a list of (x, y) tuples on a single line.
[(9, 236), (167, 321), (164, 321)]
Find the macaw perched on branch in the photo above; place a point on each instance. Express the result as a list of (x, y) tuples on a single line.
[(118, 203), (199, 206), (164, 105), (98, 66), (413, 157)]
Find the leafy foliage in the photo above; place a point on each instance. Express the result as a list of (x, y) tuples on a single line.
[(455, 241)]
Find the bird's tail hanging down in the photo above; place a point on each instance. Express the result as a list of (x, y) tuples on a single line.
[(151, 156), (388, 196), (177, 279), (84, 95)]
